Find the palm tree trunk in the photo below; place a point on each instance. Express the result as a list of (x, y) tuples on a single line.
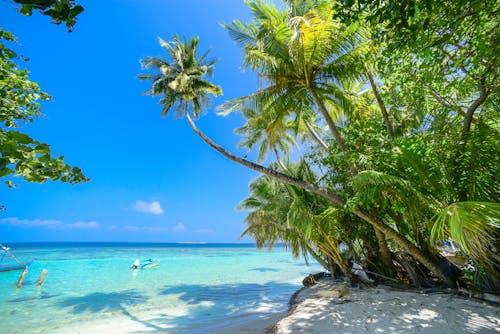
[(331, 255), (385, 253), (329, 121), (282, 165), (315, 135), (388, 124), (318, 258), (400, 240)]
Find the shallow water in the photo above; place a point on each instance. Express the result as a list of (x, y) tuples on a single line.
[(195, 286)]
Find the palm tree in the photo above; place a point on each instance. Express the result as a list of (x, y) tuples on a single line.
[(303, 221), (270, 132), (301, 55), (180, 84), (180, 81)]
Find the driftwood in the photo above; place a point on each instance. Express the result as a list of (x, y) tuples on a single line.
[(312, 279)]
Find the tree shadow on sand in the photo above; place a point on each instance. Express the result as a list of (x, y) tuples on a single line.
[(99, 302), (209, 303), (373, 312)]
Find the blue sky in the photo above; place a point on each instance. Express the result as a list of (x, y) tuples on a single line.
[(153, 179)]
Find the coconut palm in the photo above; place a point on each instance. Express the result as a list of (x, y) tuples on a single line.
[(180, 83), (300, 55), (285, 213), (271, 133)]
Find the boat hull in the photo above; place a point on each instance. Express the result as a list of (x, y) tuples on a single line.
[(145, 264), (150, 265), (14, 266)]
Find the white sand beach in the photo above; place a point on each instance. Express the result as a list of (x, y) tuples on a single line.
[(385, 310), (318, 310), (122, 324)]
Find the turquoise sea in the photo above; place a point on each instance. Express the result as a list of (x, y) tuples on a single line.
[(90, 287)]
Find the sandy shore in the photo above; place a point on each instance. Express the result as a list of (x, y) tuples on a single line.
[(386, 310), (250, 325), (123, 322), (317, 310)]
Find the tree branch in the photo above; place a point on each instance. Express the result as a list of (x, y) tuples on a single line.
[(445, 103), (483, 94), (383, 109)]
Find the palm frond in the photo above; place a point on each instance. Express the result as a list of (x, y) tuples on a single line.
[(179, 79), (474, 226)]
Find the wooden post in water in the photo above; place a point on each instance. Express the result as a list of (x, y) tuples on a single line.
[(21, 278), (42, 277)]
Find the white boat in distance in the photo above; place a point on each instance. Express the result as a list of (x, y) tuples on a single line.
[(145, 264)]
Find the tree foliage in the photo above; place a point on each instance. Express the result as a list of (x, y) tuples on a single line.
[(434, 79), (398, 126), (59, 10), (179, 79), (20, 154)]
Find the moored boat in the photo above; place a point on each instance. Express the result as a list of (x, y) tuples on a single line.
[(15, 265), (144, 264)]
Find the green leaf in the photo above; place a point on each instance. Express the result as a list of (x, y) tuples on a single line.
[(75, 11), (26, 9), (20, 137)]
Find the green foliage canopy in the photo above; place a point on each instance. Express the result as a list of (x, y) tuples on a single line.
[(21, 155), (59, 10)]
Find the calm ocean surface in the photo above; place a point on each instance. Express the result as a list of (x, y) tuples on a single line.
[(91, 288)]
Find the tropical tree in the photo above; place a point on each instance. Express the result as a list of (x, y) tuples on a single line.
[(20, 154), (180, 80), (271, 133), (303, 221), (59, 10), (301, 55), (413, 168), (440, 69)]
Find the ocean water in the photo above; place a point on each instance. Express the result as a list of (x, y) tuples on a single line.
[(91, 288)]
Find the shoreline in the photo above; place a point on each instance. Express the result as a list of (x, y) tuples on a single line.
[(318, 309), (383, 309)]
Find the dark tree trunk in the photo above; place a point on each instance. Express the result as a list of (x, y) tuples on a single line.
[(385, 253)]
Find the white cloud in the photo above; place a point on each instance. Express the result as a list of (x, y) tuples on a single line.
[(153, 207), (52, 224), (180, 227)]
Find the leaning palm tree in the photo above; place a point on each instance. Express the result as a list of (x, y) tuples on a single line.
[(180, 82)]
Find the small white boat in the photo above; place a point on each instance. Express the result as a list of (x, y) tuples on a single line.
[(144, 264), (16, 265)]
